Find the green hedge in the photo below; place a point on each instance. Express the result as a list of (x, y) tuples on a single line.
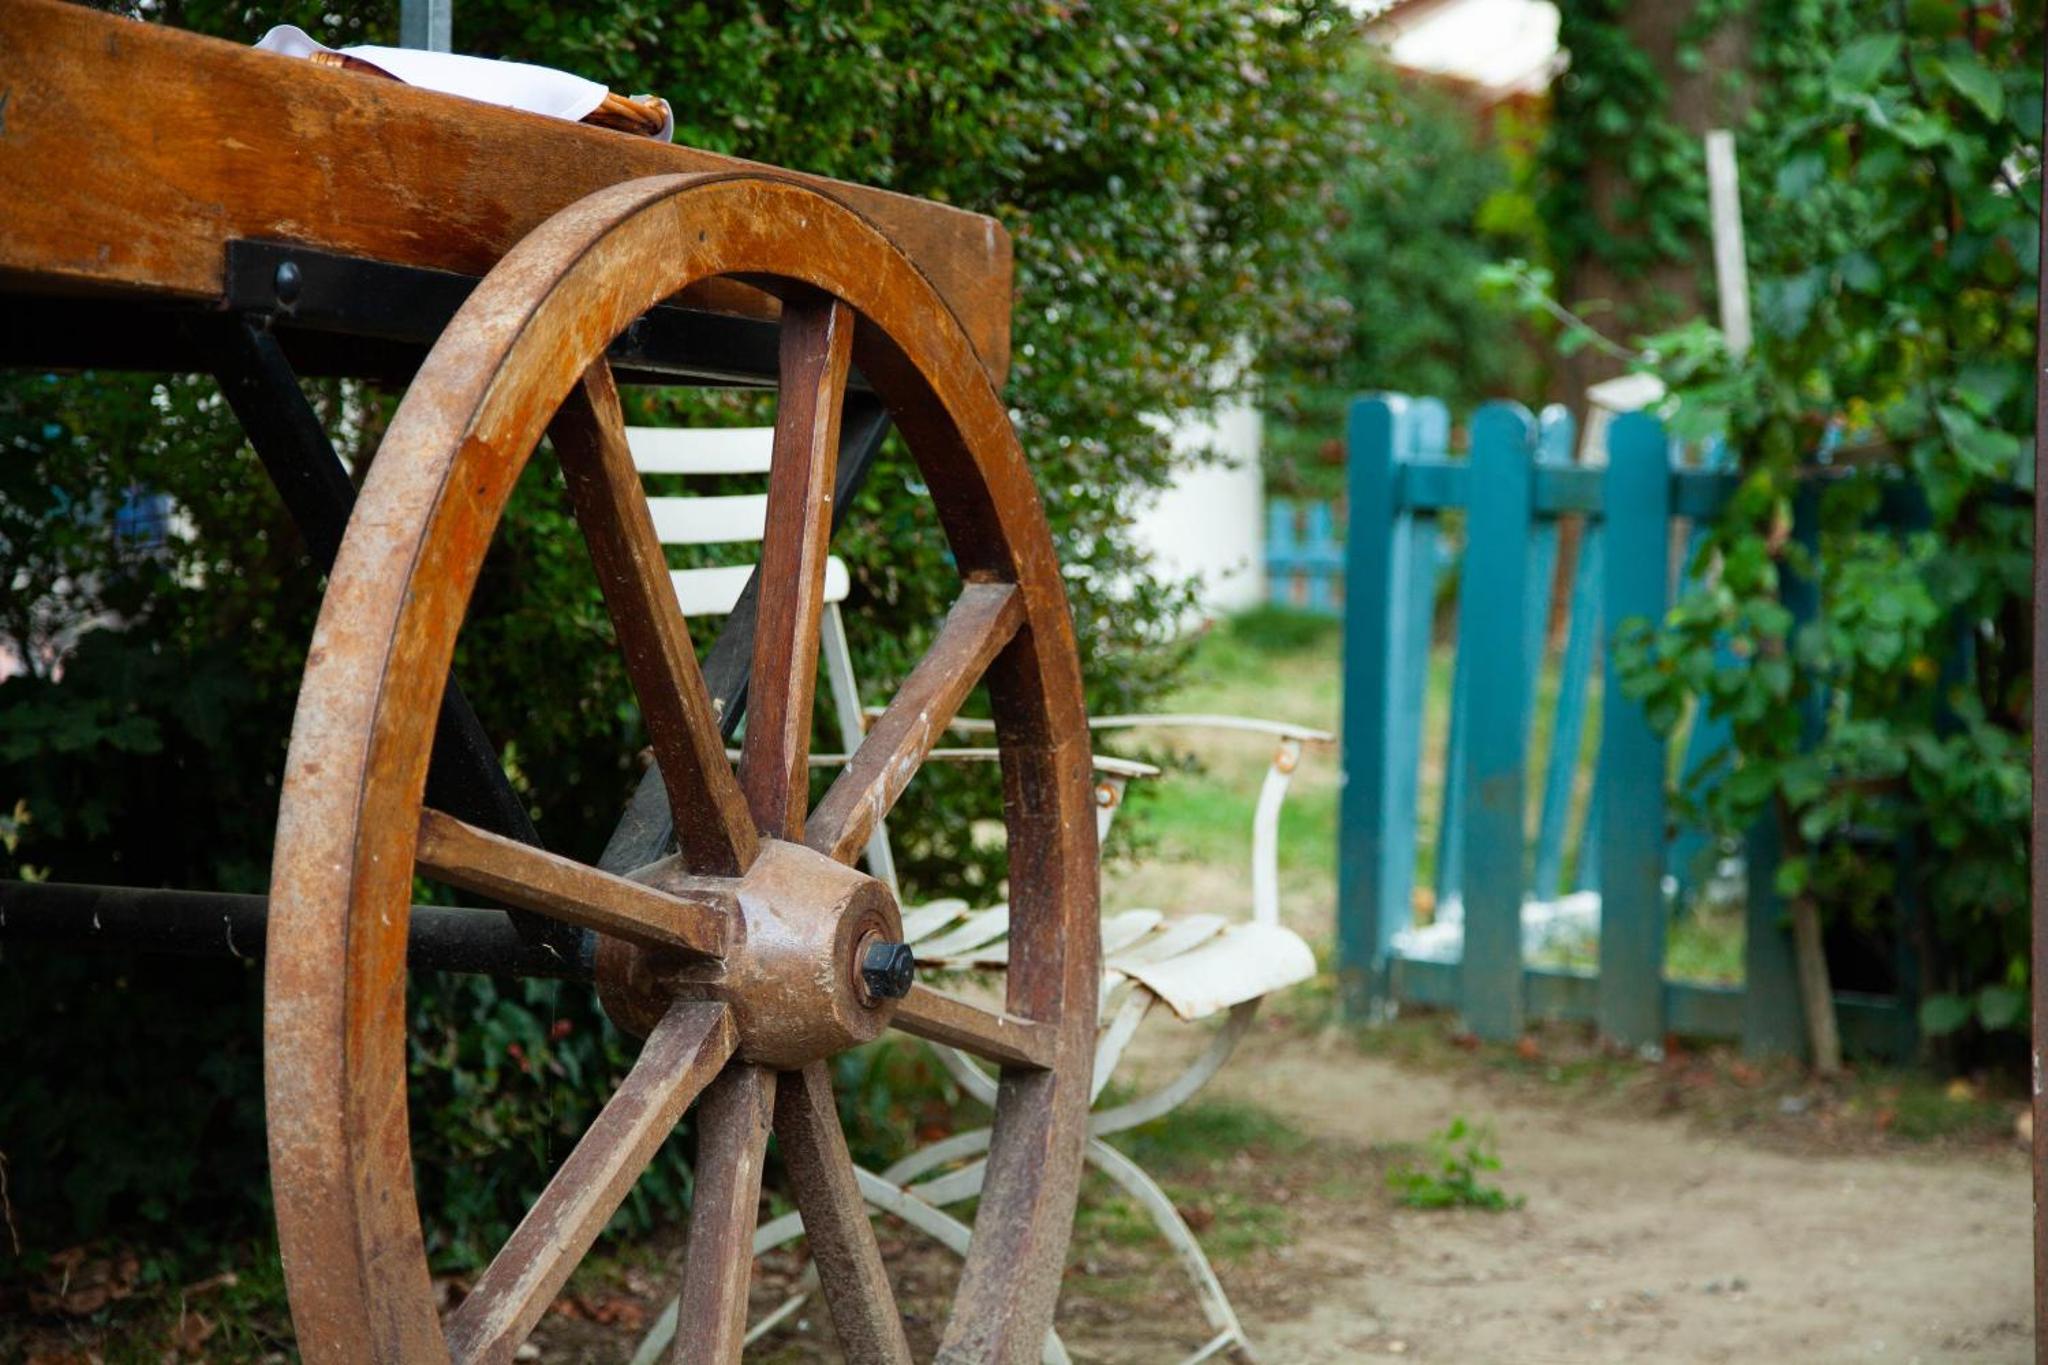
[(1162, 168)]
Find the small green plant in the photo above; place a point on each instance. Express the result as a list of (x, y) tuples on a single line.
[(1450, 1178)]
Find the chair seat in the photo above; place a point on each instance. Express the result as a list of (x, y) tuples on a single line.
[(1199, 964)]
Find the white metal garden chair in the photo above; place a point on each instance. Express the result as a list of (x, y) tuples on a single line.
[(1198, 965)]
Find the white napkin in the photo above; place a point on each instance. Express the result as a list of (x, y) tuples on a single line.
[(515, 85)]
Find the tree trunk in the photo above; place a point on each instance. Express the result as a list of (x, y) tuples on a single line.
[(1620, 292)]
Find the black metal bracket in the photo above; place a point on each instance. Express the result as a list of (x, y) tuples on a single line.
[(297, 289), (466, 778)]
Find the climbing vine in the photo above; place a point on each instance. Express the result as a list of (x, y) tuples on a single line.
[(1861, 619)]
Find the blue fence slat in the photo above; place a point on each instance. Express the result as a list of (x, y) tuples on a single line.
[(1491, 627), (1632, 753), (1568, 726), (1303, 547), (1323, 557), (1450, 822), (1553, 449), (1375, 861), (1705, 735), (1429, 429)]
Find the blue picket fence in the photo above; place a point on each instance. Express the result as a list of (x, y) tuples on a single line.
[(1515, 490), (1304, 556)]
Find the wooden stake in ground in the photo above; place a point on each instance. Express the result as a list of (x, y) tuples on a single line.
[(1809, 955)]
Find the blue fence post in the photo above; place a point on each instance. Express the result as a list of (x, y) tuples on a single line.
[(1637, 495), (1375, 858), (1773, 1019), (1491, 626)]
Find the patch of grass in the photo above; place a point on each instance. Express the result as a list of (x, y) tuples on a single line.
[(1705, 945), (1205, 1136), (1452, 1173), (1919, 1108), (1229, 1225), (1702, 945), (1281, 630)]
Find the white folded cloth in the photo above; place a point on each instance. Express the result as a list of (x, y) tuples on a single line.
[(515, 85)]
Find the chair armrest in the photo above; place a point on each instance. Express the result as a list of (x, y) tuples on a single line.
[(1104, 763), (1279, 729)]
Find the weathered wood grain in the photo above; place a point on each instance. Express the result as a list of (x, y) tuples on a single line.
[(133, 151), (713, 828), (1004, 1039), (564, 889), (856, 1284), (817, 343), (678, 1060), (718, 1265), (983, 620)]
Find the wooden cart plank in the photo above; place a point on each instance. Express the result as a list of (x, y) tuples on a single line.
[(130, 152)]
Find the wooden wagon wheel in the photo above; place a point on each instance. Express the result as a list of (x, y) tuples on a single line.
[(739, 958)]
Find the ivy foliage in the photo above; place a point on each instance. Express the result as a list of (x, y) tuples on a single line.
[(1161, 167), (1862, 616)]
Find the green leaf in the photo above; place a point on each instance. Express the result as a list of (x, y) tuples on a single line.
[(1975, 82), (1999, 1006), (1858, 65), (1792, 877), (1944, 1014)]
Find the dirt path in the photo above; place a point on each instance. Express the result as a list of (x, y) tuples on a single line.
[(1641, 1239)]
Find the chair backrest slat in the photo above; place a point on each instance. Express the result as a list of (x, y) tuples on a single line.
[(701, 450), (713, 591), (714, 519)]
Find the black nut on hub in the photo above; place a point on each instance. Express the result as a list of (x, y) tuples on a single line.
[(887, 970)]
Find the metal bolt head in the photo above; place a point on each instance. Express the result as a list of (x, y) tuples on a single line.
[(286, 283), (887, 970)]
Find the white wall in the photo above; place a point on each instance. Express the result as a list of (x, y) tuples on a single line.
[(1212, 523)]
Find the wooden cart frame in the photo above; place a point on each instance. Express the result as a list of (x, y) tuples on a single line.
[(178, 203)]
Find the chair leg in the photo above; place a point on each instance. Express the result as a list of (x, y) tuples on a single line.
[(1215, 1304)]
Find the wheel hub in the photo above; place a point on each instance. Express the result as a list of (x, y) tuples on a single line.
[(816, 964)]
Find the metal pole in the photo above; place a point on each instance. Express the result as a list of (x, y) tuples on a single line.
[(221, 924), (427, 23)]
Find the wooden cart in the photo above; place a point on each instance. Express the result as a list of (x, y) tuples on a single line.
[(178, 203)]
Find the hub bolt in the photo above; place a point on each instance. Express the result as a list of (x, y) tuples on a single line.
[(887, 969)]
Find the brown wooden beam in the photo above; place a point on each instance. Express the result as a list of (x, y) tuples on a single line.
[(133, 151)]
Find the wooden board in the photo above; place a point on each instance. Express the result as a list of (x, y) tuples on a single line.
[(130, 152)]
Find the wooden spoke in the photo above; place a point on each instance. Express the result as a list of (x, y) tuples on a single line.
[(983, 620), (817, 343), (534, 879), (680, 1057), (836, 1220), (718, 1259), (1005, 1039), (712, 826)]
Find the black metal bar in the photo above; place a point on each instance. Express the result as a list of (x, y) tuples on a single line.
[(645, 832), (296, 287), (466, 778), (222, 924)]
